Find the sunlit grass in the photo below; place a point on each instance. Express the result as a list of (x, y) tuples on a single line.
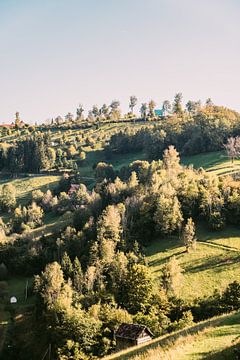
[(25, 186), (210, 267)]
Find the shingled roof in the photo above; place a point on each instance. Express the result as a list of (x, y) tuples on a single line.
[(131, 331)]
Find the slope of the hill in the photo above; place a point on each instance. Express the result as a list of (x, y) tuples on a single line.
[(214, 339), (213, 264)]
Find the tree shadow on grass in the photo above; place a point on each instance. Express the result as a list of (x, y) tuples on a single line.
[(215, 263), (232, 352), (162, 261)]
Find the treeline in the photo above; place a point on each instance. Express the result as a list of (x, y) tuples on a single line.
[(191, 133), (30, 155)]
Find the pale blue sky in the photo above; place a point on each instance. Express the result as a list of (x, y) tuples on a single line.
[(57, 53)]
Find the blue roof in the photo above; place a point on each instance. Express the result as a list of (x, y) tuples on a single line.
[(158, 112)]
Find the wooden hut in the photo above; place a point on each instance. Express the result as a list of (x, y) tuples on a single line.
[(131, 334)]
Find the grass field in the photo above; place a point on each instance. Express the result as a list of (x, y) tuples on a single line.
[(213, 264), (25, 186), (217, 162), (214, 339)]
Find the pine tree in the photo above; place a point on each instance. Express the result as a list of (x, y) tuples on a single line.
[(77, 275), (188, 235), (67, 267)]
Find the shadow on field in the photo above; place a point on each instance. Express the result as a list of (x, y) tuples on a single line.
[(215, 263), (232, 352)]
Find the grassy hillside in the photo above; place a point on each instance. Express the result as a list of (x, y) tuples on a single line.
[(213, 339), (211, 266), (25, 186), (216, 162)]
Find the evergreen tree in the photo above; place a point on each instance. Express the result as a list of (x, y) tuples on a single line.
[(67, 266), (177, 104), (188, 235), (132, 103), (77, 275)]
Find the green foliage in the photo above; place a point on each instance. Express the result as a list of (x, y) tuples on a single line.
[(168, 216), (51, 288), (138, 288), (71, 351), (172, 276), (8, 197), (231, 296), (188, 235)]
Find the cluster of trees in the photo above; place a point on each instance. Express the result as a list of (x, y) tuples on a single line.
[(30, 155), (93, 275), (36, 153), (206, 129)]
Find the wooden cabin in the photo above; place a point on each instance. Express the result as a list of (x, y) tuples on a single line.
[(131, 334)]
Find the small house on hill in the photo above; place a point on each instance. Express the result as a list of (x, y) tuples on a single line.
[(131, 334)]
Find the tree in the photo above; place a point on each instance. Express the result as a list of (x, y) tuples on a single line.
[(66, 266), (104, 111), (151, 107), (71, 351), (77, 275), (69, 117), (71, 151), (177, 104), (209, 102), (166, 106), (109, 230), (8, 197), (35, 215), (171, 159), (168, 216), (80, 111), (139, 288), (51, 157), (231, 296), (233, 147), (132, 103), (104, 171), (95, 111), (188, 235), (143, 110), (115, 111), (52, 289), (193, 106), (82, 329), (172, 276)]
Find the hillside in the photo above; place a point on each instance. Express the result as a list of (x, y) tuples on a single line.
[(110, 206), (213, 264), (214, 339)]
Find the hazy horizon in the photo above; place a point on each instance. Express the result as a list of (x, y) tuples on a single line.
[(56, 54)]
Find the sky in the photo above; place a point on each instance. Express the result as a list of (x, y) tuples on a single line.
[(55, 54)]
